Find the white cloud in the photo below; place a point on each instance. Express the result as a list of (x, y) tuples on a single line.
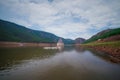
[(65, 18), (67, 30)]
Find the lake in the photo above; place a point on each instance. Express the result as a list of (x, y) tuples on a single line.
[(71, 63)]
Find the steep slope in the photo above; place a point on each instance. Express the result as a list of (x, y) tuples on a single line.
[(13, 32), (104, 34)]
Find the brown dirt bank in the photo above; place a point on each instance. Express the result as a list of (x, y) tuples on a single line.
[(20, 44), (112, 38), (114, 52)]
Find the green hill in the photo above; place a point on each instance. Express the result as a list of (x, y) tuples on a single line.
[(104, 34), (16, 33)]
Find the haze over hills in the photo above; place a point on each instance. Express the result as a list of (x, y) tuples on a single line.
[(104, 34), (16, 33)]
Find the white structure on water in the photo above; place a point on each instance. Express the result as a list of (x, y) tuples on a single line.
[(60, 44)]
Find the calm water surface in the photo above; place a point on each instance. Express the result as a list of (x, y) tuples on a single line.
[(69, 64)]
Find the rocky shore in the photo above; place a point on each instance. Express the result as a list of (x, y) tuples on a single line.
[(114, 52), (110, 48)]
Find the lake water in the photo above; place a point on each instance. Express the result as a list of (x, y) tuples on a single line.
[(68, 64)]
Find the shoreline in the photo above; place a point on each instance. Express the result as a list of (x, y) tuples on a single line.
[(26, 44), (110, 48), (114, 53)]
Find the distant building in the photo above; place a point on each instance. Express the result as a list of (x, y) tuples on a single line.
[(100, 40)]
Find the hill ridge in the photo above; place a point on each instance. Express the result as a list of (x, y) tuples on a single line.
[(10, 31)]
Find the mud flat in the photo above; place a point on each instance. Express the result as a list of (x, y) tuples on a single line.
[(20, 44)]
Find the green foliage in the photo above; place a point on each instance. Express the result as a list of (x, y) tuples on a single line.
[(109, 33), (16, 33), (113, 44)]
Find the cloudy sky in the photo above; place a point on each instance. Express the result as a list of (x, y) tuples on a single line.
[(64, 18)]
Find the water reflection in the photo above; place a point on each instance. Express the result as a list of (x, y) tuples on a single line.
[(68, 64), (12, 56), (79, 49), (60, 48), (104, 56)]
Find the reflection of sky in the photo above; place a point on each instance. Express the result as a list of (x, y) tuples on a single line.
[(65, 18), (71, 63)]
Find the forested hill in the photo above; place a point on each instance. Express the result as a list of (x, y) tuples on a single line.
[(104, 34), (16, 33)]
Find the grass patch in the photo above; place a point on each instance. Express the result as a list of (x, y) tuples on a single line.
[(109, 44)]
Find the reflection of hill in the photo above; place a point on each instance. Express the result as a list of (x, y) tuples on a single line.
[(68, 48), (104, 56), (79, 49), (12, 56)]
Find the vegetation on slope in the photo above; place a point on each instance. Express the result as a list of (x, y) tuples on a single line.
[(16, 33), (104, 34), (113, 44)]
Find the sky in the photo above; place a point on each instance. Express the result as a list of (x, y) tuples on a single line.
[(64, 18)]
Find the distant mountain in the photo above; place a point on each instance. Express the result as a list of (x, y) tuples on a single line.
[(79, 40), (104, 34), (16, 33)]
